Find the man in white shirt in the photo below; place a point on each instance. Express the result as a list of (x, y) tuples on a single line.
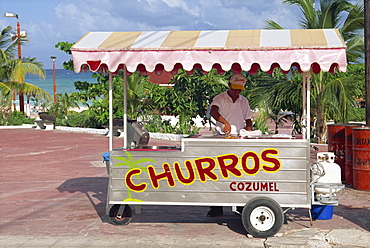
[(231, 109)]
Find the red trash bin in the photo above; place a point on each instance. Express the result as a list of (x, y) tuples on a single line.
[(336, 144), (361, 158), (348, 170)]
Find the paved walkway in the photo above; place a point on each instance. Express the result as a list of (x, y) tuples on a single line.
[(53, 194)]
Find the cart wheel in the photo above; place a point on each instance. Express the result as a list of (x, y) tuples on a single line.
[(126, 215), (262, 217)]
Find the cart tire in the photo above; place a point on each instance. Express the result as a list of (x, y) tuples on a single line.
[(262, 217), (126, 215)]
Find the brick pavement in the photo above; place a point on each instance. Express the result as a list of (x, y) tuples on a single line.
[(54, 184)]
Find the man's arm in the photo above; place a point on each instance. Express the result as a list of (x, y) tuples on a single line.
[(248, 124), (216, 115)]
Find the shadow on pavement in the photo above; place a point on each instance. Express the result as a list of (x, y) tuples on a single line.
[(95, 190), (95, 187), (358, 216)]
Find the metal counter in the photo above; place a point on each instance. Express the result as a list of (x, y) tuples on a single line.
[(210, 171)]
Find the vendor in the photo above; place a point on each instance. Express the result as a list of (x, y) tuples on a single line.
[(231, 109)]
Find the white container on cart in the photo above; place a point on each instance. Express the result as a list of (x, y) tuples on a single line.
[(331, 171), (326, 178)]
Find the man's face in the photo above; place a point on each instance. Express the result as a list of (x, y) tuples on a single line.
[(234, 92)]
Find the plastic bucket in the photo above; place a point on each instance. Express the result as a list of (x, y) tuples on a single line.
[(348, 170), (361, 158), (336, 144), (106, 159), (322, 212)]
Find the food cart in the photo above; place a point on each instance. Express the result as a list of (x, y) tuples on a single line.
[(262, 174)]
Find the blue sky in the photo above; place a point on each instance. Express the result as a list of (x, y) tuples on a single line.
[(47, 22)]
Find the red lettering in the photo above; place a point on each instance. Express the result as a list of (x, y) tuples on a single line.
[(276, 189), (271, 186), (256, 186), (240, 186), (190, 171), (206, 171), (130, 184), (264, 187), (232, 186), (253, 186), (276, 162), (154, 178), (256, 163), (229, 168), (248, 186)]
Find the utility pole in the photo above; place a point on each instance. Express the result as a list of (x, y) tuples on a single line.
[(367, 58)]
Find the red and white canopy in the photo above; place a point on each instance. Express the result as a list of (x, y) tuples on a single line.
[(248, 50)]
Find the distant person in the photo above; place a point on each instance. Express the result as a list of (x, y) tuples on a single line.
[(231, 111)]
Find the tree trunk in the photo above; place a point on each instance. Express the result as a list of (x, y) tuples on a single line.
[(21, 102), (367, 59)]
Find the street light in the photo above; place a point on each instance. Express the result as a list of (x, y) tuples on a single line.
[(53, 58), (21, 97), (10, 14)]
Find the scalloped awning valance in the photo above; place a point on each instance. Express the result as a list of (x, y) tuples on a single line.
[(224, 50)]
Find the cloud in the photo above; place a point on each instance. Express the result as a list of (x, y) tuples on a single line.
[(69, 20)]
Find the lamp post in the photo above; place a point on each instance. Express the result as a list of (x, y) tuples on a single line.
[(53, 58), (10, 14), (21, 98)]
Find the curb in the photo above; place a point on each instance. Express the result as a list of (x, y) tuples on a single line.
[(160, 136)]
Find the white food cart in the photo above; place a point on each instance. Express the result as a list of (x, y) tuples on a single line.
[(261, 174)]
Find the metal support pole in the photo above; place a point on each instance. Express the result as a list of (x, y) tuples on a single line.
[(53, 58), (304, 105), (19, 40), (308, 104), (18, 27), (110, 113), (21, 96), (125, 106)]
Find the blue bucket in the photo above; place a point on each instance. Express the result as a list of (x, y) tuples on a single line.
[(106, 156), (106, 159), (322, 212)]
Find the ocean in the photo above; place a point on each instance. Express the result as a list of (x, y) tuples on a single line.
[(64, 80)]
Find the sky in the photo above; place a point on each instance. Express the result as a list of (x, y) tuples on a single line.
[(47, 22)]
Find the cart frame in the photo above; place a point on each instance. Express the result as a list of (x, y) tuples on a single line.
[(218, 169)]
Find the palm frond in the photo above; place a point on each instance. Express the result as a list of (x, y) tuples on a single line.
[(4, 89), (270, 24)]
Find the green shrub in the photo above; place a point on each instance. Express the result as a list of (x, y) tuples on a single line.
[(83, 119), (61, 121), (16, 118), (156, 125), (359, 114)]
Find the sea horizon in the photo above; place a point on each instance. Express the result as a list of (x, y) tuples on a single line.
[(64, 80)]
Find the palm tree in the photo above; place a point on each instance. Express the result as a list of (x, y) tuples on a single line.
[(63, 103), (349, 20), (13, 71), (271, 94), (136, 88)]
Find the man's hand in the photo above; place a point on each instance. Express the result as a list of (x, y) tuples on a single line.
[(226, 128), (249, 125)]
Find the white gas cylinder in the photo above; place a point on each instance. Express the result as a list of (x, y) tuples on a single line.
[(327, 171)]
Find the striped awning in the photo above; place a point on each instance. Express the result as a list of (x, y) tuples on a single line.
[(248, 50)]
